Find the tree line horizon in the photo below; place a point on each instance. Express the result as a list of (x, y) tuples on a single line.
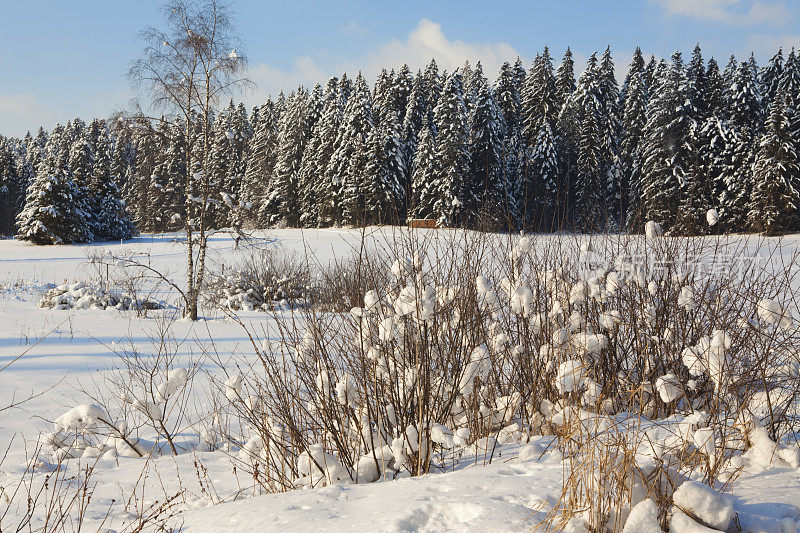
[(537, 150)]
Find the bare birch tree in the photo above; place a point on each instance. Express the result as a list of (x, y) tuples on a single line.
[(186, 69)]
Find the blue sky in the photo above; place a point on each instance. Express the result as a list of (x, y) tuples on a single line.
[(60, 59)]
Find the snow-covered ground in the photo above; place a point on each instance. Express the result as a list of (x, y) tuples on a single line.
[(69, 353)]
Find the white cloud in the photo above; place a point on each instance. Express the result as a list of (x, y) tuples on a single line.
[(353, 28), (426, 41), (19, 111), (768, 44), (736, 12)]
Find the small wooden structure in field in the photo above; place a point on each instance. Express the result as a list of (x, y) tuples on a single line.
[(422, 223)]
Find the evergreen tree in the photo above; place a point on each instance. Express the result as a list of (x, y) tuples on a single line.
[(730, 71), (789, 86), (540, 110), (637, 65), (79, 167), (790, 82), (565, 78), (610, 127), (452, 155), (283, 195), (509, 102), (745, 116), (666, 148), (347, 164), (568, 137), (744, 101), (540, 98), (432, 88), (401, 90), (321, 193), (423, 195), (171, 173), (415, 117), (260, 165), (634, 121), (589, 188), (715, 91), (11, 192), (136, 192), (51, 215), (220, 167), (583, 120), (776, 198), (771, 79), (111, 219), (544, 169), (486, 192), (385, 173), (697, 85)]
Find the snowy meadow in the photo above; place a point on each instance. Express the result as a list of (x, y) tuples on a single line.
[(408, 380)]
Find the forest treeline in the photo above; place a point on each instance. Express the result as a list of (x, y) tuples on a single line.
[(537, 150)]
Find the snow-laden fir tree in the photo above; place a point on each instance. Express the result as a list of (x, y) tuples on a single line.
[(507, 95), (488, 194), (582, 120), (540, 181), (539, 98), (666, 148), (415, 116), (452, 154), (634, 119), (156, 216), (81, 147), (729, 73), (568, 134), (221, 195), (11, 190), (473, 86), (51, 214), (111, 221), (790, 87), (715, 91), (697, 85), (790, 80), (543, 167), (382, 96), (283, 196), (423, 196), (171, 172), (315, 103), (123, 158), (743, 108), (775, 199), (317, 194), (610, 127), (136, 192), (260, 165), (565, 78), (347, 165), (637, 64), (401, 90), (432, 89), (770, 78), (384, 172)]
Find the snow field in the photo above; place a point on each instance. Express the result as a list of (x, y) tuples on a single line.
[(554, 328)]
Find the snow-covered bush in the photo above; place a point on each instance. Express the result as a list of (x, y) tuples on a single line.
[(651, 369), (81, 295), (87, 430), (151, 392), (265, 280)]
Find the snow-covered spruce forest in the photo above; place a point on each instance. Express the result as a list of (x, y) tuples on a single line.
[(536, 149)]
